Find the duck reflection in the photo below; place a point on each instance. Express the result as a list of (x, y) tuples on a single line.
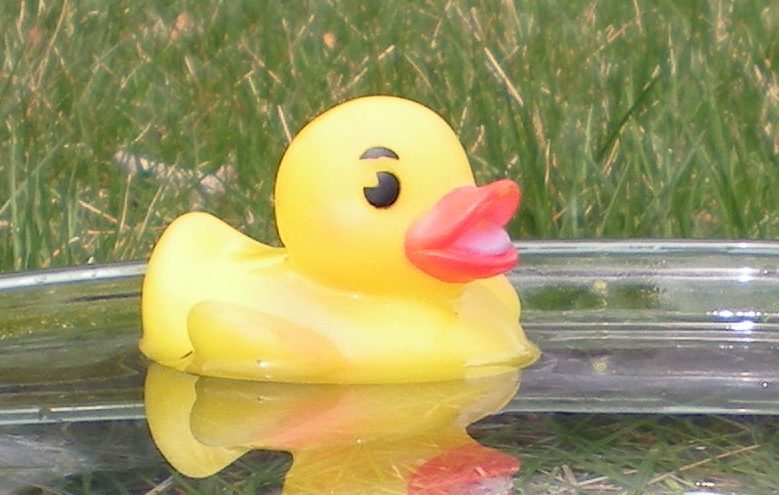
[(346, 439)]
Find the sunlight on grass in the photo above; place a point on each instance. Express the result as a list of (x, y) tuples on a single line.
[(619, 120)]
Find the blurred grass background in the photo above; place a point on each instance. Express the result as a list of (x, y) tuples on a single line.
[(619, 119)]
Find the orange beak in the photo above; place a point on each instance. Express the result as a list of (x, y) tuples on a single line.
[(463, 237)]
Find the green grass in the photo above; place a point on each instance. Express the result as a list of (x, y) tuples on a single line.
[(559, 454), (619, 119), (639, 454)]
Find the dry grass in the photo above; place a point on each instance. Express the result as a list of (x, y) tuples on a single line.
[(619, 120)]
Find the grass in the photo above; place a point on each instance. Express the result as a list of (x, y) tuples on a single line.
[(566, 454), (619, 119), (559, 454)]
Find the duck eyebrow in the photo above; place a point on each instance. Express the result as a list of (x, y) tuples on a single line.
[(378, 152)]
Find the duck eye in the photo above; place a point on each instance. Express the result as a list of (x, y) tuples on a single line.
[(378, 152), (385, 193)]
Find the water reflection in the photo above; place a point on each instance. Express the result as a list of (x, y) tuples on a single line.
[(405, 439)]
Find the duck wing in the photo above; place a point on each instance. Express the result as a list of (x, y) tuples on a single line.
[(234, 341), (198, 258)]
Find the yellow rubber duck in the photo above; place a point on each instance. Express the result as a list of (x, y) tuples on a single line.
[(391, 271)]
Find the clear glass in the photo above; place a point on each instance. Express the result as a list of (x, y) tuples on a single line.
[(624, 326), (652, 327)]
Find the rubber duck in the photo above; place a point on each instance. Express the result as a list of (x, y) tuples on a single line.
[(391, 270), (343, 439)]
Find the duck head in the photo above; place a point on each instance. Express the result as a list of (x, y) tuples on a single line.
[(377, 194)]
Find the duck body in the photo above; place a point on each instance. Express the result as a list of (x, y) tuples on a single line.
[(360, 293)]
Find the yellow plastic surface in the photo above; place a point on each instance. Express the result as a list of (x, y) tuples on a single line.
[(341, 303), (345, 439)]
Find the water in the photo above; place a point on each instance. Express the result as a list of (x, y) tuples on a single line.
[(659, 376), (652, 327)]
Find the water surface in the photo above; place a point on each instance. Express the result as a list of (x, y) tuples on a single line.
[(658, 376)]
